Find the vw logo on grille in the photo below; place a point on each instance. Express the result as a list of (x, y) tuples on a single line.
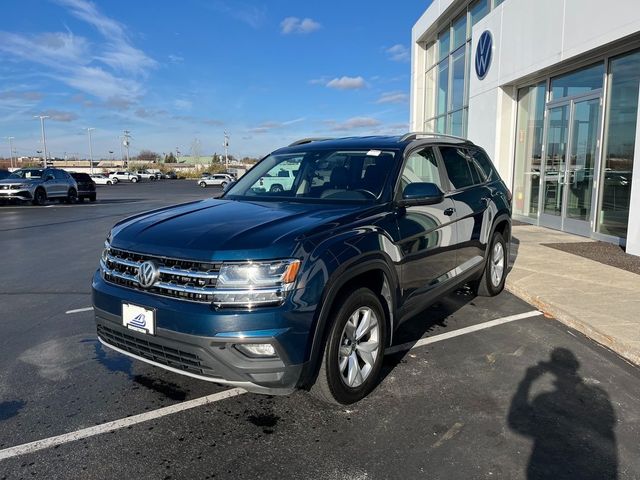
[(148, 273)]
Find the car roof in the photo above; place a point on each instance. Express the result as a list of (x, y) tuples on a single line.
[(377, 142)]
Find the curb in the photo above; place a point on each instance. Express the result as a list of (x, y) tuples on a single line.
[(629, 353)]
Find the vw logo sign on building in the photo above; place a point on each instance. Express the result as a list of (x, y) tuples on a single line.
[(148, 273), (483, 54)]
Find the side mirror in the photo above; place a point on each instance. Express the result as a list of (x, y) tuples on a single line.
[(228, 186), (421, 193)]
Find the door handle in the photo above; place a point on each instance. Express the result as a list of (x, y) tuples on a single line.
[(449, 211)]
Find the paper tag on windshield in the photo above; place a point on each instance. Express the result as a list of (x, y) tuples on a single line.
[(373, 153)]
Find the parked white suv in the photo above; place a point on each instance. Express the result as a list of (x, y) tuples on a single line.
[(217, 179), (145, 175), (123, 176)]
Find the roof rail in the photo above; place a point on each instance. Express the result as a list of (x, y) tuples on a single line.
[(416, 135), (302, 141)]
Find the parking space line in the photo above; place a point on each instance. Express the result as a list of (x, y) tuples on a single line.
[(116, 424), (216, 397), (461, 331), (78, 310)]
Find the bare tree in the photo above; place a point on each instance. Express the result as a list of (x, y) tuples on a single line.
[(148, 156)]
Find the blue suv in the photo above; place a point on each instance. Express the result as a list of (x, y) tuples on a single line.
[(304, 286)]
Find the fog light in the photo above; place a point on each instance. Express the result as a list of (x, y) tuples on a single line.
[(256, 350)]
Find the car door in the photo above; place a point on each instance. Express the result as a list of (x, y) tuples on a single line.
[(426, 234), (471, 198), (50, 182)]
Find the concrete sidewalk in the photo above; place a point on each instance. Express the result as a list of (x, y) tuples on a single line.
[(601, 301)]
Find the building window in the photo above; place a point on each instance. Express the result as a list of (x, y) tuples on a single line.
[(577, 82), (529, 136), (620, 136)]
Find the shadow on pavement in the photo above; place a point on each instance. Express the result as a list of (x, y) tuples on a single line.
[(572, 427)]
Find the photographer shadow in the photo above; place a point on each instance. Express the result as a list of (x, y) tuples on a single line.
[(572, 426)]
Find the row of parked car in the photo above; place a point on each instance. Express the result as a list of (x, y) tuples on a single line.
[(37, 185), (114, 177)]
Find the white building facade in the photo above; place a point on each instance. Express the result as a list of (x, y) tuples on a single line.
[(550, 89)]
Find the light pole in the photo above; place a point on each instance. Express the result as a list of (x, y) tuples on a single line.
[(90, 149), (126, 143), (44, 139), (11, 149), (226, 151)]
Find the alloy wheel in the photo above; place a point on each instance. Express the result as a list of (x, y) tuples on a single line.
[(359, 347), (497, 264)]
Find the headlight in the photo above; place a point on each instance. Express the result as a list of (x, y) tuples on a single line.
[(20, 187), (255, 283)]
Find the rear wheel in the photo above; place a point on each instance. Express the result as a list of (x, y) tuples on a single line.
[(39, 197), (203, 184), (354, 351), (134, 179), (115, 180), (495, 271), (72, 196), (92, 197), (277, 188)]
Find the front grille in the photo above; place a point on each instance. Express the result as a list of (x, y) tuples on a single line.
[(171, 357), (184, 279)]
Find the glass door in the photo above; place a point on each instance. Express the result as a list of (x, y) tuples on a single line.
[(555, 163), (570, 163)]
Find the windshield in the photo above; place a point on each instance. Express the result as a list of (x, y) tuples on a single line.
[(27, 173), (321, 175)]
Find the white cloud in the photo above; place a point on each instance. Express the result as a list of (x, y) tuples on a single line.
[(354, 123), (298, 25), (347, 83), (398, 53), (182, 104), (175, 58), (393, 97), (249, 14), (274, 125)]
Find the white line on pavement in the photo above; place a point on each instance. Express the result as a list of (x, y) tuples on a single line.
[(461, 331), (78, 310), (116, 424), (216, 397)]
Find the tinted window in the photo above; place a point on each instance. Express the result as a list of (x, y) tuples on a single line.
[(457, 165), (421, 166), (481, 161), (59, 174), (81, 177)]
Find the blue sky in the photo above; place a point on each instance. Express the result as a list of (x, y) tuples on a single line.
[(171, 72)]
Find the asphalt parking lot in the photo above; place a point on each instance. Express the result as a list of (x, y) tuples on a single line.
[(476, 388)]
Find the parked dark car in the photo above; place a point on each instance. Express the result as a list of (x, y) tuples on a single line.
[(86, 186), (4, 174), (305, 287), (171, 175)]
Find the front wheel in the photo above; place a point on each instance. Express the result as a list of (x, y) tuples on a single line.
[(39, 197), (354, 351), (495, 271), (223, 185), (115, 180), (109, 182)]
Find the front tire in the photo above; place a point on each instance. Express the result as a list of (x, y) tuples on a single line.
[(39, 197), (354, 350), (495, 271), (115, 180)]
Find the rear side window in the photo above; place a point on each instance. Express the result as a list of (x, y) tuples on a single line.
[(481, 162), (456, 161)]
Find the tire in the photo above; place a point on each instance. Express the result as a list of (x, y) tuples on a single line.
[(92, 197), (109, 182), (115, 180), (495, 271), (344, 377), (134, 180), (39, 197), (203, 185), (223, 185), (276, 188), (72, 196)]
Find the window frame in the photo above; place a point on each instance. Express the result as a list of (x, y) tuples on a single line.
[(444, 179)]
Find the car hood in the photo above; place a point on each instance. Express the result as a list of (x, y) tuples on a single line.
[(228, 230), (19, 181)]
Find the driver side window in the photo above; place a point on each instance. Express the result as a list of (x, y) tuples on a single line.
[(421, 166)]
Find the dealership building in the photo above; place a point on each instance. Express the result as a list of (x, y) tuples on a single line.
[(550, 89)]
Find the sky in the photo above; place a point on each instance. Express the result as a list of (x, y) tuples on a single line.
[(171, 72)]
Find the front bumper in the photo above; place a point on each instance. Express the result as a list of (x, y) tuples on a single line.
[(15, 195), (196, 340)]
